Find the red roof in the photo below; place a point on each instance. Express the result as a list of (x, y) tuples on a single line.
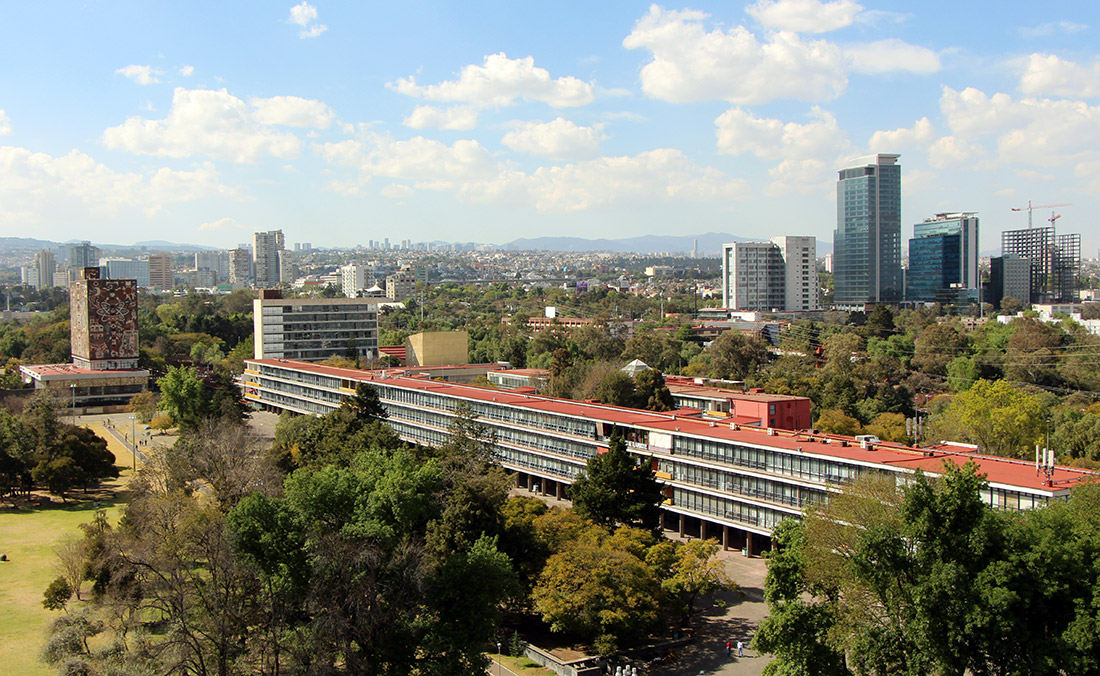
[(393, 351), (997, 470)]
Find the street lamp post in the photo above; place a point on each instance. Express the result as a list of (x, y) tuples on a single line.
[(72, 391), (498, 658)]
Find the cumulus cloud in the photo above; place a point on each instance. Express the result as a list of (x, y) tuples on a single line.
[(37, 186), (885, 56), (455, 118), (222, 224), (739, 131), (690, 64), (919, 135), (560, 139), (466, 170), (1051, 28), (305, 15), (804, 16), (143, 75), (5, 123), (1048, 75), (293, 111), (213, 123), (186, 71), (500, 81), (952, 151), (1039, 132)]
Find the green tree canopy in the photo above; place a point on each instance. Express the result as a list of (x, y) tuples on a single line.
[(618, 489)]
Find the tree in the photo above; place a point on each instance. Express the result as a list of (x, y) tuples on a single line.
[(144, 405), (365, 403), (600, 592), (888, 427), (833, 421), (996, 416), (617, 489), (695, 571), (735, 355), (58, 475), (182, 396), (652, 392), (616, 388)]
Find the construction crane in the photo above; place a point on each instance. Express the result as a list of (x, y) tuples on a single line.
[(1053, 217), (1030, 207)]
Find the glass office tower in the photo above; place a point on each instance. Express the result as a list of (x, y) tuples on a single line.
[(867, 240), (943, 256)]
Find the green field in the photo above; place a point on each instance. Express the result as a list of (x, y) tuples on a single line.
[(28, 536)]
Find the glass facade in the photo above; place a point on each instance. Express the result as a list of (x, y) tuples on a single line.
[(867, 241), (943, 252)]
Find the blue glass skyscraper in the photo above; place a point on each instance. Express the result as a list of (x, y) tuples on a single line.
[(867, 240), (943, 257)]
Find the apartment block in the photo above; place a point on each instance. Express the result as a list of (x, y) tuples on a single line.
[(313, 329)]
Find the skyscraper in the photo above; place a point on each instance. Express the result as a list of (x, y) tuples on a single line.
[(240, 267), (44, 268), (943, 257), (265, 257), (800, 267), (160, 271), (867, 240), (1055, 261)]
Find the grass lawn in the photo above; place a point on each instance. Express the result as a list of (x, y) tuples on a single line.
[(520, 665), (28, 536)]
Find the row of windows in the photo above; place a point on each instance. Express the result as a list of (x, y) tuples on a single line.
[(755, 487), (775, 462), (725, 508)]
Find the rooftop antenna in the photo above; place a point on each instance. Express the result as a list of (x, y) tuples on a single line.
[(1044, 463)]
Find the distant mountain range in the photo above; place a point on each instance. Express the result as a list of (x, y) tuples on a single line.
[(710, 244), (25, 243)]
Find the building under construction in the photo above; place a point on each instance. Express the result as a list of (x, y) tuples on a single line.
[(1055, 261)]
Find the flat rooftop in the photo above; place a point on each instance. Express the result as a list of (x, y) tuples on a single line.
[(1005, 471), (70, 372)]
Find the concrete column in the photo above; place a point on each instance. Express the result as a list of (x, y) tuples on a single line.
[(725, 538), (702, 529), (750, 544), (558, 490), (681, 525), (542, 485)]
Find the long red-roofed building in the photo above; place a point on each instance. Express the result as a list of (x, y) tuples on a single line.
[(722, 479)]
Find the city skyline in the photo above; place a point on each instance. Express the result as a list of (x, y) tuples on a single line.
[(340, 124)]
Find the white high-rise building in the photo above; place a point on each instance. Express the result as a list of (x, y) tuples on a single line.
[(265, 258), (355, 278), (780, 274), (752, 276), (800, 263)]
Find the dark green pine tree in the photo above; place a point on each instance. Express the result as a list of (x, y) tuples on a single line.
[(618, 489)]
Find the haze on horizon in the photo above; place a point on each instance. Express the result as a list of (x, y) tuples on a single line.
[(340, 123)]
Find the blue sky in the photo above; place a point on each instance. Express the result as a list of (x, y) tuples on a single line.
[(478, 121)]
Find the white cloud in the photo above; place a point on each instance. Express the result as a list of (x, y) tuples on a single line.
[(203, 122), (918, 136), (466, 170), (36, 187), (418, 158), (186, 71), (804, 16), (951, 151), (560, 139), (293, 111), (397, 191), (1046, 74), (143, 75), (5, 123), (690, 64), (885, 56), (660, 175), (739, 132), (455, 118), (1050, 28), (500, 81), (805, 151), (1030, 131), (305, 15), (222, 224)]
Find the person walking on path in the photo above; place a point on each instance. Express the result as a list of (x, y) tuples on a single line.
[(740, 649), (729, 648)]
